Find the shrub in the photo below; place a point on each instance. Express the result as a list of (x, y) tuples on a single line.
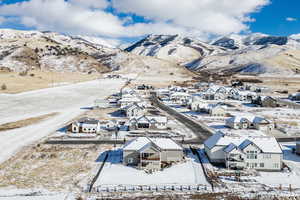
[(3, 86), (24, 73)]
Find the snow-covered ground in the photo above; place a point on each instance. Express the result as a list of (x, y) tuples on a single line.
[(69, 101), (186, 173)]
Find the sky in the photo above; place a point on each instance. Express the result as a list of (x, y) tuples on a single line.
[(125, 21)]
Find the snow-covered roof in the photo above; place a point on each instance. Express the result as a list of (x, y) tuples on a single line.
[(140, 143), (87, 120), (297, 94), (267, 144), (250, 118), (230, 148), (132, 99), (149, 118), (181, 94)]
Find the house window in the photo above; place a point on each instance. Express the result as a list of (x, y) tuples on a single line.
[(262, 165), (267, 156), (251, 154), (276, 165), (130, 160)]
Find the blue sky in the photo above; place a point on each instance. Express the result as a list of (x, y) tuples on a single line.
[(128, 20), (272, 18)]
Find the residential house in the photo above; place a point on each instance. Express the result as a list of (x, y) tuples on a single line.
[(217, 111), (244, 95), (128, 100), (163, 94), (152, 153), (110, 125), (295, 96), (266, 101), (236, 152), (85, 125), (196, 103), (134, 110), (181, 98), (249, 122), (148, 122), (127, 90)]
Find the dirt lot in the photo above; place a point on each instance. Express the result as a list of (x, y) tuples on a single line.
[(37, 79), (52, 167), (292, 84), (25, 122)]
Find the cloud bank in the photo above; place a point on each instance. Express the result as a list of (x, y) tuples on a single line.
[(200, 18)]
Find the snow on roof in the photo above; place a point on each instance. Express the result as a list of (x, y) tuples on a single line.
[(87, 120), (159, 119), (220, 139), (140, 143), (267, 144), (166, 143), (230, 148), (250, 118), (180, 94), (244, 144), (136, 144), (132, 99), (296, 94)]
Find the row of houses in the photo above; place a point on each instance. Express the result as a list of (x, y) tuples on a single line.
[(250, 122)]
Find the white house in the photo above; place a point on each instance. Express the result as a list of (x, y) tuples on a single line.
[(197, 103), (152, 153), (181, 98), (86, 125), (148, 122), (128, 100), (249, 122), (217, 111), (134, 110), (236, 152)]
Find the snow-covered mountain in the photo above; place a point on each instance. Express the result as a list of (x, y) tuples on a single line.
[(28, 50), (173, 48), (252, 54)]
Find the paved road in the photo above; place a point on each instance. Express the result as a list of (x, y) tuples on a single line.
[(200, 130)]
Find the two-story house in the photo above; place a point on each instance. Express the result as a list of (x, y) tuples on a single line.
[(241, 152)]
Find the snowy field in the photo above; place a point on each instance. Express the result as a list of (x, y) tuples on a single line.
[(69, 101), (115, 174)]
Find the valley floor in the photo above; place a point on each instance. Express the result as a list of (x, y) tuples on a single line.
[(36, 79)]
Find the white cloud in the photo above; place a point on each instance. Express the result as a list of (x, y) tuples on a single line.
[(2, 20), (94, 4), (193, 17), (211, 16), (290, 19)]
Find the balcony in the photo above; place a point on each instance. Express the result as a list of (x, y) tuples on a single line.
[(150, 158)]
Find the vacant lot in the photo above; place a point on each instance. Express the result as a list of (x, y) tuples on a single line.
[(34, 80), (53, 167), (25, 122)]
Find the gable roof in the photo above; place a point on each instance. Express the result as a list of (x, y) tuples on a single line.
[(267, 144), (141, 143), (250, 118), (230, 148)]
